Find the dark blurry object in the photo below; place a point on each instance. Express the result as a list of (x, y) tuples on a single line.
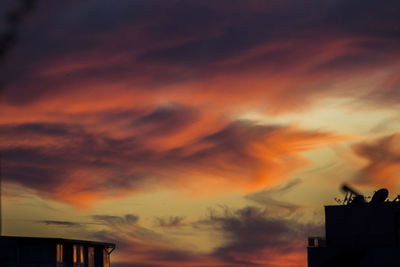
[(13, 19), (352, 196), (380, 196)]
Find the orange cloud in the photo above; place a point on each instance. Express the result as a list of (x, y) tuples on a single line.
[(383, 161), (167, 146)]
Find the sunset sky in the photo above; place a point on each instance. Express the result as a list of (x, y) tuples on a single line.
[(195, 132)]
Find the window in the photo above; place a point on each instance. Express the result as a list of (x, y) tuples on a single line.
[(81, 255), (59, 253), (90, 257), (75, 252), (106, 258), (78, 254)]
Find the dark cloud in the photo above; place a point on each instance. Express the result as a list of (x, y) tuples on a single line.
[(366, 18), (142, 246), (251, 231), (127, 219), (364, 60), (241, 28), (43, 155), (13, 19), (27, 129), (42, 178), (232, 142), (62, 223), (166, 120), (51, 158), (109, 116), (170, 222), (159, 43), (252, 237)]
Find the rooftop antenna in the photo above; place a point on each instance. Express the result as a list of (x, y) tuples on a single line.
[(352, 196), (380, 196)]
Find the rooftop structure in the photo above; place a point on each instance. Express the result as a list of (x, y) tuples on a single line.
[(359, 233), (18, 251)]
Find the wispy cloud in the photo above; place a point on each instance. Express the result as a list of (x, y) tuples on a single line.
[(127, 219), (252, 237), (269, 198), (265, 56), (72, 164), (255, 238), (63, 223), (170, 222), (382, 161)]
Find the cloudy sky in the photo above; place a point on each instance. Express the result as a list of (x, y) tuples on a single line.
[(195, 133)]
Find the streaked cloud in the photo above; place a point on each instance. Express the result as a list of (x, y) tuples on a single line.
[(270, 52), (68, 163), (382, 157), (62, 223), (127, 219), (270, 197), (170, 222)]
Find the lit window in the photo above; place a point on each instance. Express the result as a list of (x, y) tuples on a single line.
[(59, 253), (81, 255), (75, 252)]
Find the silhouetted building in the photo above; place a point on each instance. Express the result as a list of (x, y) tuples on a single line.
[(55, 252), (359, 233)]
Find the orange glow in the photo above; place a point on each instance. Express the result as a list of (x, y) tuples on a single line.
[(382, 167)]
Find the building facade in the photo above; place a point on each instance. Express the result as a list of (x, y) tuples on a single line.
[(55, 252), (358, 234)]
